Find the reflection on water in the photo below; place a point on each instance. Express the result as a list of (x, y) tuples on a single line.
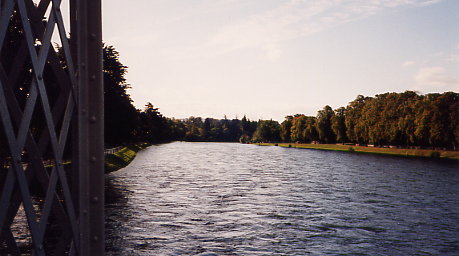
[(233, 199)]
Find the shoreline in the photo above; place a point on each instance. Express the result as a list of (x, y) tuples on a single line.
[(422, 153), (122, 158)]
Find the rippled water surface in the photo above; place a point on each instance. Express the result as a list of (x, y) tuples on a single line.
[(234, 199)]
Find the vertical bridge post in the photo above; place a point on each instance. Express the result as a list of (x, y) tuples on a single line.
[(86, 18)]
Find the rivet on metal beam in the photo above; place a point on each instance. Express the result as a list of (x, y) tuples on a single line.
[(95, 238), (93, 36), (85, 212), (95, 199), (93, 159), (93, 119), (93, 78)]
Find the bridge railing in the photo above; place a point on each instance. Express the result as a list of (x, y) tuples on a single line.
[(110, 151)]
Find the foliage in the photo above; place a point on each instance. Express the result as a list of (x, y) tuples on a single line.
[(267, 131), (338, 124), (121, 117), (398, 119), (324, 125), (285, 129), (223, 130)]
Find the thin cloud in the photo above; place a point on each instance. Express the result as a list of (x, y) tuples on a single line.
[(453, 58), (295, 19), (429, 2), (408, 63), (437, 78)]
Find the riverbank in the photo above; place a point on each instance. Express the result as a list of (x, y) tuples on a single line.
[(122, 158), (426, 153)]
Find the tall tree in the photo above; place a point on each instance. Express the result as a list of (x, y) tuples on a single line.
[(355, 123), (285, 129), (297, 128), (153, 126), (324, 125), (310, 132), (121, 117), (339, 125)]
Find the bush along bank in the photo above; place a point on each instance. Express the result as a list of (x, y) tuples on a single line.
[(122, 158)]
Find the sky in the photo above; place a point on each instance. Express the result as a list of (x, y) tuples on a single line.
[(270, 58)]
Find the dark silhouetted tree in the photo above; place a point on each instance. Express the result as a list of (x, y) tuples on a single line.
[(121, 117), (324, 125), (339, 124)]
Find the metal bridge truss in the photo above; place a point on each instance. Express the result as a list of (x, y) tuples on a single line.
[(51, 129)]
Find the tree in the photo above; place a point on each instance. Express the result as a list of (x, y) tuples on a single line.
[(153, 126), (206, 135), (355, 122), (193, 129), (324, 125), (176, 128), (297, 128), (13, 37), (248, 127), (444, 120), (339, 124), (121, 117), (285, 129), (267, 131), (310, 132)]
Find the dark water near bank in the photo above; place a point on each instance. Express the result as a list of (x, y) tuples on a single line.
[(233, 199)]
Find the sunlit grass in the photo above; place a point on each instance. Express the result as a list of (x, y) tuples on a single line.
[(373, 150), (122, 158)]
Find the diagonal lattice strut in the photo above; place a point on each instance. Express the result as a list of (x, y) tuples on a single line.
[(41, 99)]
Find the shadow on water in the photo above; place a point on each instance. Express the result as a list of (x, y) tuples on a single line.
[(116, 197)]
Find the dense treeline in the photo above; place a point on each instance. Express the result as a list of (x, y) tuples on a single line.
[(224, 130), (405, 119), (400, 119)]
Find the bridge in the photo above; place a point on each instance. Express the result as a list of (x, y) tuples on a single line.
[(51, 128)]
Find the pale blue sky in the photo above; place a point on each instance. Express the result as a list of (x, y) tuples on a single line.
[(268, 59)]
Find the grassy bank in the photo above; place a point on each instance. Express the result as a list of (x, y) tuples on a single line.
[(444, 154), (122, 158)]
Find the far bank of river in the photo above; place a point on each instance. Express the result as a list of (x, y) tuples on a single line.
[(443, 154)]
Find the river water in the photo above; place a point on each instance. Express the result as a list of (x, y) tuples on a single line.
[(234, 199)]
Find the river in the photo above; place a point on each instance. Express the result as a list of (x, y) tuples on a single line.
[(234, 199)]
